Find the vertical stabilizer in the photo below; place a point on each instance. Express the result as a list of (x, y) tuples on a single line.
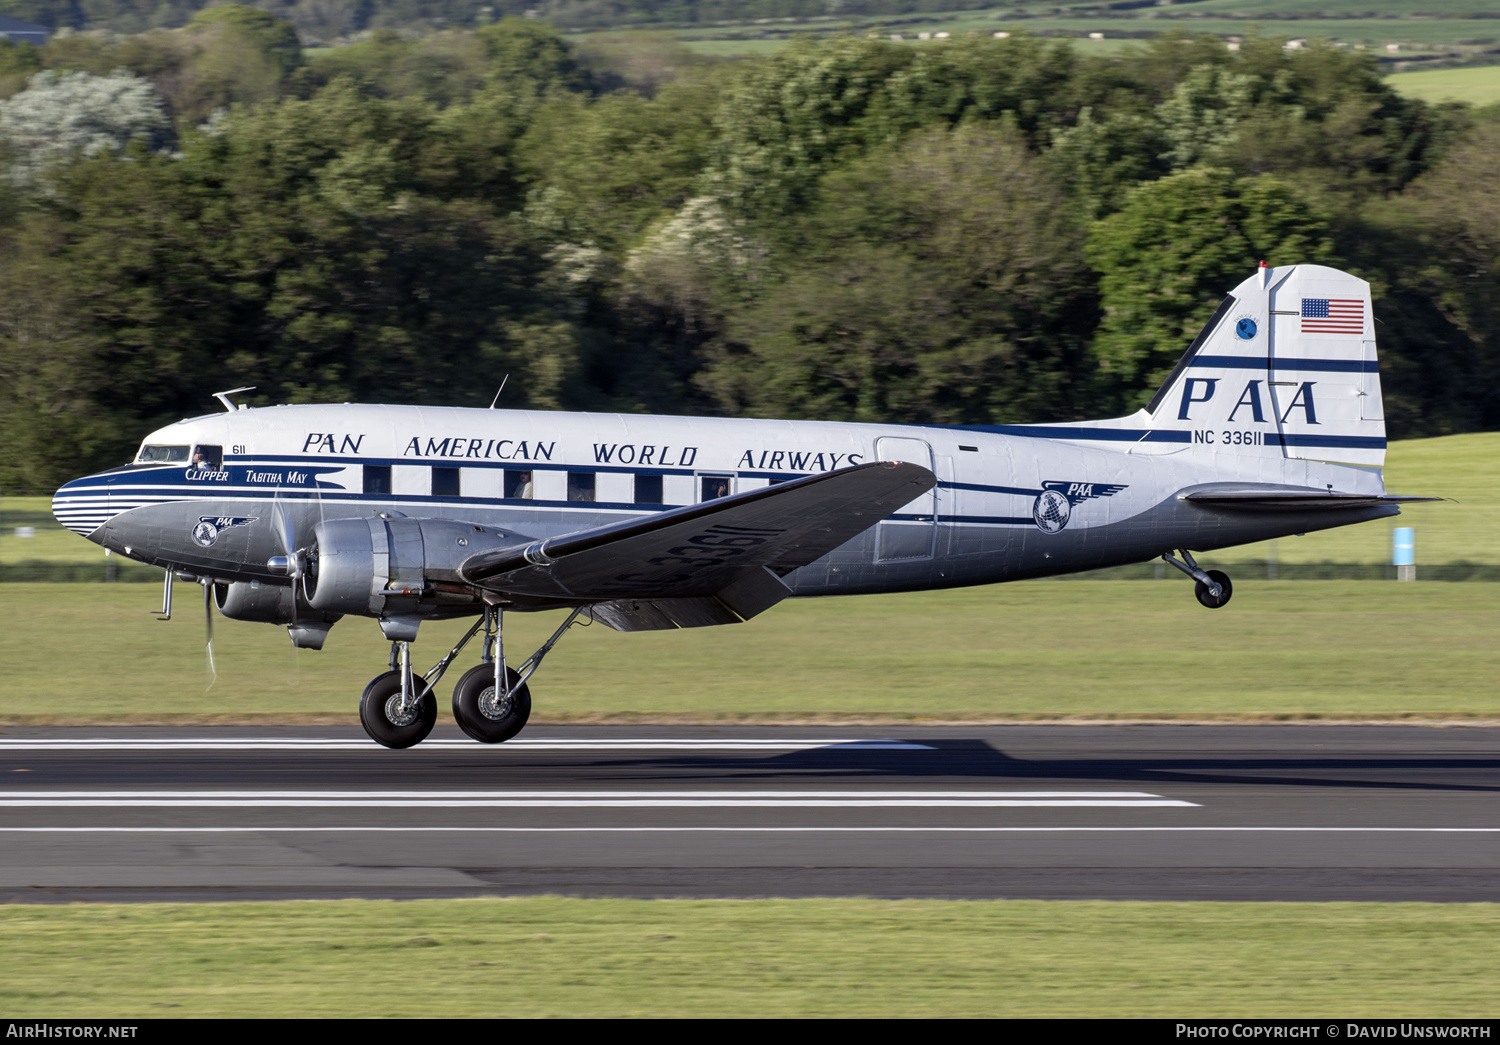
[(1286, 366)]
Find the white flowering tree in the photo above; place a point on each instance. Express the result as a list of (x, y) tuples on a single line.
[(61, 117)]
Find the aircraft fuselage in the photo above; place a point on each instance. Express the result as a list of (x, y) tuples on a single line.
[(1008, 504)]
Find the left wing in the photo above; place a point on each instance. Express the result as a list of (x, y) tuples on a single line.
[(713, 563)]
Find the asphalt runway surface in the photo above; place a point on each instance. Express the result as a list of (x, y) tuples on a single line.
[(1050, 812)]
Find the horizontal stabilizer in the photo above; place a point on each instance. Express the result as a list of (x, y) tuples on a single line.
[(1270, 497), (716, 554)]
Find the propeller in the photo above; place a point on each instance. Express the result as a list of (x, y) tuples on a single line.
[(208, 629), (286, 536), (294, 560)]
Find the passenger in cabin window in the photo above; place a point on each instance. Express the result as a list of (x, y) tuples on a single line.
[(715, 486), (580, 486), (517, 485)]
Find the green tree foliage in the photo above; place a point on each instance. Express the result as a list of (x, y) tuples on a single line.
[(939, 280), (1441, 251), (1172, 252), (443, 68), (307, 248), (969, 231), (18, 61), (787, 120)]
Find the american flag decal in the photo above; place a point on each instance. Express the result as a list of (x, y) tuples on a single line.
[(1333, 316)]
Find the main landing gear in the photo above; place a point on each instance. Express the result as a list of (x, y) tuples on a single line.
[(491, 702), (1211, 586)]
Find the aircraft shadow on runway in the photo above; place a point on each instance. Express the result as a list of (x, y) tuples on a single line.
[(973, 758)]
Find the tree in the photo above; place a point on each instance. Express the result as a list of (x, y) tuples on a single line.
[(786, 121), (60, 117), (1170, 254), (937, 281), (1439, 246)]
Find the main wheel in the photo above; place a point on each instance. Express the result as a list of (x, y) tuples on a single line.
[(381, 714), (1225, 590), (486, 717)]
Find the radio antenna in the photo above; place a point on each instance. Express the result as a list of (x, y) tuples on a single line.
[(223, 397), (498, 391)]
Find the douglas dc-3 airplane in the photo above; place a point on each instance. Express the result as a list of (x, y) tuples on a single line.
[(301, 515)]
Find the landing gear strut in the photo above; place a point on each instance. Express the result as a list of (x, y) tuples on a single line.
[(491, 702), (1212, 586), (394, 710)]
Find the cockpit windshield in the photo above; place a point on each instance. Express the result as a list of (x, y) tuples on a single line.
[(162, 455)]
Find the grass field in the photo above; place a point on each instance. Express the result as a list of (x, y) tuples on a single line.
[(1478, 86), (1374, 24), (1039, 649), (558, 957)]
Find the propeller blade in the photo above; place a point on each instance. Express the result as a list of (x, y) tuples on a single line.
[(287, 536), (208, 628)]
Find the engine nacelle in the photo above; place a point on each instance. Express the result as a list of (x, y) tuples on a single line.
[(392, 567), (276, 604)]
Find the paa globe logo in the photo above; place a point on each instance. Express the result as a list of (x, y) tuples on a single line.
[(1246, 329), (1054, 506), (210, 526)]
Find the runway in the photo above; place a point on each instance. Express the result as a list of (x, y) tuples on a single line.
[(1050, 812)]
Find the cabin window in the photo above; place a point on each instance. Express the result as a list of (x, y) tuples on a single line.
[(378, 478), (648, 489), (208, 458), (714, 487), (518, 484), (163, 455), (580, 486), (445, 482)]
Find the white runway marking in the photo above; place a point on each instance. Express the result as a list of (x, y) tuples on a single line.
[(747, 830), (530, 744), (585, 799)]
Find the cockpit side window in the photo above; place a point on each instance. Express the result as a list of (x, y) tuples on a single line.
[(208, 458), (151, 454)]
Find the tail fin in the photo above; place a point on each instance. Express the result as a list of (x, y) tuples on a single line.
[(1286, 366)]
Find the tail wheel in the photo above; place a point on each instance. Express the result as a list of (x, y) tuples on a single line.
[(488, 717), (387, 722), (1206, 597)]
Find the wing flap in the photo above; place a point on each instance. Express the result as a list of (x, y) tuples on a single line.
[(753, 592), (718, 550)]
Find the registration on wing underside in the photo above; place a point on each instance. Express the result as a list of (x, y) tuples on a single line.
[(722, 559)]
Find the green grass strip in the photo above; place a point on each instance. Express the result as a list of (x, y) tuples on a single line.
[(1039, 649), (551, 956)]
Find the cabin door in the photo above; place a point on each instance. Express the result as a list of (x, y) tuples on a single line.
[(910, 531)]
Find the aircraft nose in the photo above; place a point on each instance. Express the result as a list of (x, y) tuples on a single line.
[(82, 505)]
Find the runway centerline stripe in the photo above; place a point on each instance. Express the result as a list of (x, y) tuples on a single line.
[(579, 799), (533, 744), (579, 793), (487, 829), (582, 800)]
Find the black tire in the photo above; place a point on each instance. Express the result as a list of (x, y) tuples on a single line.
[(1225, 590), (377, 708), (475, 709)]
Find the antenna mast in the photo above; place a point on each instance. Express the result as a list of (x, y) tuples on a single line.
[(223, 397)]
